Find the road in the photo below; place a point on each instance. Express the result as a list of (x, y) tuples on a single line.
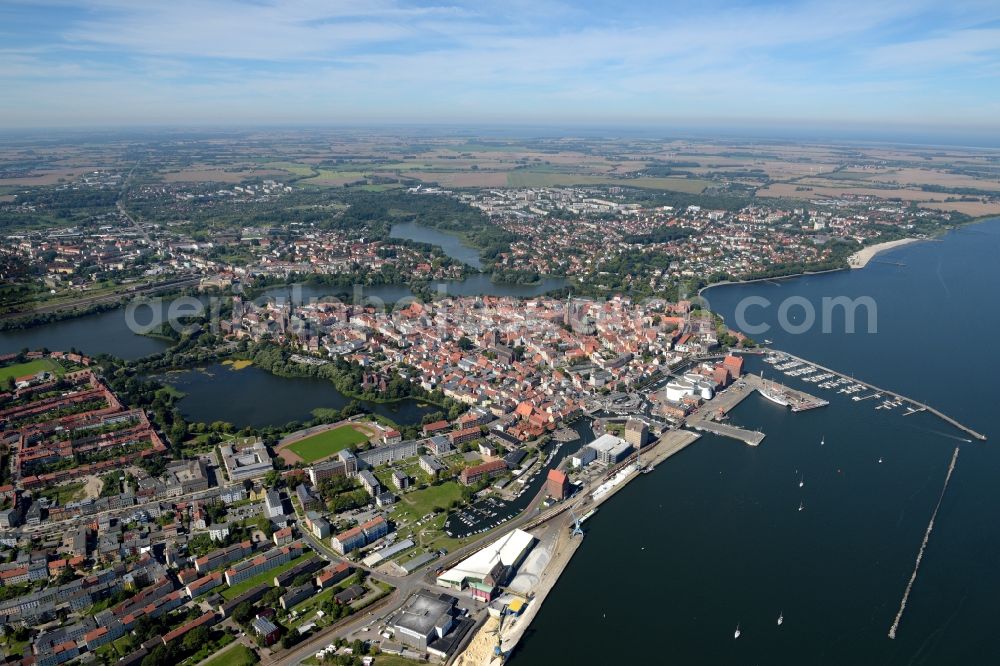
[(421, 579)]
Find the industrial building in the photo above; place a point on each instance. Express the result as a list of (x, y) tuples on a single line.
[(424, 618), (610, 450), (636, 433), (484, 571)]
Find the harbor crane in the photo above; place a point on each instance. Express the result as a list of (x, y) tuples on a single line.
[(576, 529)]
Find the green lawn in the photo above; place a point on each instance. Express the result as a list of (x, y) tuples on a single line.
[(419, 503), (29, 368), (327, 443), (239, 655), (66, 493), (266, 577), (308, 608)]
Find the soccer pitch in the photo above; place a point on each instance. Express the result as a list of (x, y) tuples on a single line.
[(324, 444)]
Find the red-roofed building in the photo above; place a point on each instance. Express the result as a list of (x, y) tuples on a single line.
[(436, 427), (465, 435), (471, 475), (209, 618), (734, 364), (557, 485), (333, 575)]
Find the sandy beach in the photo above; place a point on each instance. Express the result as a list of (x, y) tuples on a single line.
[(861, 258)]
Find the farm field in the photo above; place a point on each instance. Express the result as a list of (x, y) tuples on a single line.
[(527, 178)]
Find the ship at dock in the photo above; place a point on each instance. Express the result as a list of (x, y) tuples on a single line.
[(774, 396)]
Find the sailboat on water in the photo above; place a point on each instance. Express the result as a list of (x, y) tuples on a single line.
[(781, 619), (737, 633), (822, 440), (800, 506), (801, 481)]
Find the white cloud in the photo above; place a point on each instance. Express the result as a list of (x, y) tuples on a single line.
[(304, 60)]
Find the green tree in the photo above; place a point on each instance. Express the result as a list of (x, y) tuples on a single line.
[(196, 639)]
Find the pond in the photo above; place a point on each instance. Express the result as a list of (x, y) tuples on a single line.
[(254, 397)]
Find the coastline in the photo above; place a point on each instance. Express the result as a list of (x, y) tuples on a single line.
[(777, 278), (862, 257), (563, 547)]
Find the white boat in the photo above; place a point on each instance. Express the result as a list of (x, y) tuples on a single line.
[(781, 619), (774, 397), (737, 632), (879, 461), (801, 482), (822, 440), (800, 506)]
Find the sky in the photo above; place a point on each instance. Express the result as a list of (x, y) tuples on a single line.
[(114, 63)]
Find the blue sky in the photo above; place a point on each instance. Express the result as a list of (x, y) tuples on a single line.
[(196, 62)]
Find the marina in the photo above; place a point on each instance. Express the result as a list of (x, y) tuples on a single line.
[(890, 468), (791, 364)]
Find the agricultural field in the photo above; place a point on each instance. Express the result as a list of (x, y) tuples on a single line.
[(531, 178)]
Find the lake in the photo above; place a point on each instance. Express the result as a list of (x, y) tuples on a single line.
[(713, 538), (255, 397), (100, 333), (450, 243), (108, 332)]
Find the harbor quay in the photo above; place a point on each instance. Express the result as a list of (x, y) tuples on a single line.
[(708, 417), (558, 538)]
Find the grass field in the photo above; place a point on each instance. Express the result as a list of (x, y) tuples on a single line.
[(239, 655), (29, 368), (421, 502), (266, 577), (326, 443), (66, 493)]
